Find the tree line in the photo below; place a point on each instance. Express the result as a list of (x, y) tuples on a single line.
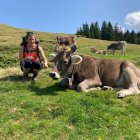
[(108, 32)]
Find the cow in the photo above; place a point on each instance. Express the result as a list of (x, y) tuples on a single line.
[(98, 51), (93, 50), (65, 40), (84, 73), (121, 45)]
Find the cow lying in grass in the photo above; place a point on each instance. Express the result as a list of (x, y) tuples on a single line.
[(85, 73), (98, 51)]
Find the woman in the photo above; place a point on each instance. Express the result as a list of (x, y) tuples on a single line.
[(29, 57)]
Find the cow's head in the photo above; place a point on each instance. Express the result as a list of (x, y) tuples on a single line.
[(108, 47), (62, 61)]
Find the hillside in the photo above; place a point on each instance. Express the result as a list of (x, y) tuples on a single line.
[(11, 37), (45, 110)]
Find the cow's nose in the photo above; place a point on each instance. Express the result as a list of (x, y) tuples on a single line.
[(52, 74)]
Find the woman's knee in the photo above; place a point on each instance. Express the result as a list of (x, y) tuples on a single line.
[(36, 65), (26, 64)]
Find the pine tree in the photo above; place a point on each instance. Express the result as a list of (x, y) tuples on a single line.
[(92, 30), (86, 31), (116, 32), (104, 31), (110, 32), (97, 32), (133, 36), (127, 36), (107, 32), (78, 32), (138, 37), (121, 35)]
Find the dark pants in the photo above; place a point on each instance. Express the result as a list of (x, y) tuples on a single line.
[(31, 65)]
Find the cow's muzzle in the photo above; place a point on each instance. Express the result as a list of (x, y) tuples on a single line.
[(54, 75)]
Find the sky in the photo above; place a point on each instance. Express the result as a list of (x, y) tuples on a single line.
[(66, 16)]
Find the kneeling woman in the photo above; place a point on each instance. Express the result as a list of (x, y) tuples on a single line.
[(29, 57)]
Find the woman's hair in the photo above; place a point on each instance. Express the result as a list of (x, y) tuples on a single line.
[(29, 34)]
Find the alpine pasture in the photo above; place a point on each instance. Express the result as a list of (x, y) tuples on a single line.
[(45, 110)]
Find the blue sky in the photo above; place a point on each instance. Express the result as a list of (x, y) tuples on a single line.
[(65, 16)]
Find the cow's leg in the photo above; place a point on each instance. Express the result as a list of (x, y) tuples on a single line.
[(131, 79), (125, 92), (107, 88), (113, 52), (66, 82), (111, 88), (123, 52), (88, 85)]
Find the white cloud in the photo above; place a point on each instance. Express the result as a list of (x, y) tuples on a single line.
[(133, 20)]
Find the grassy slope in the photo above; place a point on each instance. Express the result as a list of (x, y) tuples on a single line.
[(46, 111)]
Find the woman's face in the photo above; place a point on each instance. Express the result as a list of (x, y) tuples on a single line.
[(31, 40)]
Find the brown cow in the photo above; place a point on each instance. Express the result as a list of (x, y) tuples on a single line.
[(98, 51), (65, 40), (85, 73)]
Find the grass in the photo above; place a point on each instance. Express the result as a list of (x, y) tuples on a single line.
[(44, 110)]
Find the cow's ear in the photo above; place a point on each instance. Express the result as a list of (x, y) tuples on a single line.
[(52, 56), (76, 59)]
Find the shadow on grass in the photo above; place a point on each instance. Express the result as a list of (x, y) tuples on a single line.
[(50, 90), (15, 78)]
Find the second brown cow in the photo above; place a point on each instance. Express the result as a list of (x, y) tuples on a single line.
[(66, 40)]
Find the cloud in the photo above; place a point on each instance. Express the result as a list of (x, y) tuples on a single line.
[(133, 20)]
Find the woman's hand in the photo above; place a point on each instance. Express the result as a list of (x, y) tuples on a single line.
[(29, 58), (45, 65)]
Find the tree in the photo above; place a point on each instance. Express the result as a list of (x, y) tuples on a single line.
[(110, 31), (133, 37), (86, 31), (92, 30), (104, 31), (116, 32), (97, 32), (127, 36), (138, 37), (78, 32)]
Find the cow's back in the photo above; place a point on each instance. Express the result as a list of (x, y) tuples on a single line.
[(106, 70)]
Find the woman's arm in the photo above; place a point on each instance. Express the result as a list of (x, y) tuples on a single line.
[(21, 54), (43, 57)]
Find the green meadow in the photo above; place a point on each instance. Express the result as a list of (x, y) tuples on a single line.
[(46, 111)]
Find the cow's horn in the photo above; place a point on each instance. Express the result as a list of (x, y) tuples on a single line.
[(76, 59)]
